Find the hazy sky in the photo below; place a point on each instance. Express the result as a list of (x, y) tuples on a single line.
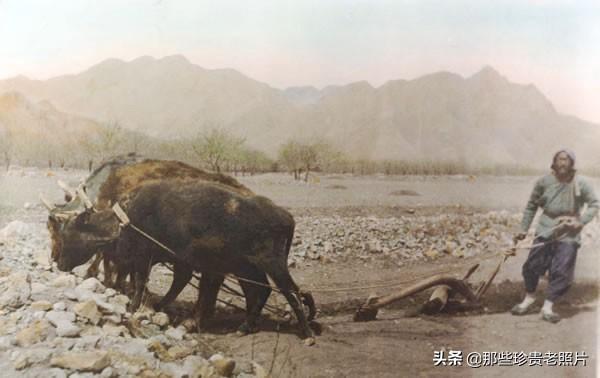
[(553, 44)]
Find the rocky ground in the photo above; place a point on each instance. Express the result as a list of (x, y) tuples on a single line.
[(58, 324), (396, 238)]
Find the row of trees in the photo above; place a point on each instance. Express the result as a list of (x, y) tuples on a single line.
[(216, 149), (220, 151)]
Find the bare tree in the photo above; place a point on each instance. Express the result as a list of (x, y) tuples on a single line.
[(216, 148), (136, 141), (6, 147), (109, 138), (103, 144), (307, 157), (254, 160), (289, 156)]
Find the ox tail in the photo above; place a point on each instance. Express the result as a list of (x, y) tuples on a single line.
[(305, 296), (290, 239)]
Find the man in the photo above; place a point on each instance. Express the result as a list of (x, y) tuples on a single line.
[(561, 195)]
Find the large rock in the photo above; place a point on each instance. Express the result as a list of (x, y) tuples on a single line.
[(160, 318), (16, 230), (16, 290), (178, 352), (224, 366), (84, 295), (108, 308), (64, 281), (194, 363), (41, 306), (176, 333), (21, 362), (59, 306), (115, 330), (41, 257), (94, 361), (88, 310), (119, 303), (58, 317), (35, 333), (26, 358), (39, 290), (113, 318), (92, 284), (63, 321), (67, 329)]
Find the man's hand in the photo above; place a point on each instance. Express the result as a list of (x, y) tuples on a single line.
[(510, 252), (576, 226), (518, 237), (569, 224)]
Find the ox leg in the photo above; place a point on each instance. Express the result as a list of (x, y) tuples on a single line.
[(140, 278), (182, 274), (207, 297), (121, 282), (256, 297), (289, 289), (92, 271), (108, 271)]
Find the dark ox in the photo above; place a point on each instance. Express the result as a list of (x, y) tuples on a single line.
[(211, 228), (112, 182)]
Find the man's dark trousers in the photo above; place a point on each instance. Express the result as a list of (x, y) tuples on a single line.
[(557, 257)]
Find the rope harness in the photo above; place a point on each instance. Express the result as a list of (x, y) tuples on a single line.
[(125, 222)]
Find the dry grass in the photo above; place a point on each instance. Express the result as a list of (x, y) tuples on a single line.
[(336, 187), (404, 192)]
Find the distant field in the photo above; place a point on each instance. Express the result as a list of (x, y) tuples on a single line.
[(485, 192)]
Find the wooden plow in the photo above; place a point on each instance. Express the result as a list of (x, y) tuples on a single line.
[(446, 287)]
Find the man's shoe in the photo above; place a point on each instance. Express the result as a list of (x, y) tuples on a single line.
[(519, 310), (551, 317)]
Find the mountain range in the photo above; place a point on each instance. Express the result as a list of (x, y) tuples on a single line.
[(483, 118)]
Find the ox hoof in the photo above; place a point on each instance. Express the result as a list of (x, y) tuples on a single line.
[(246, 329), (316, 327)]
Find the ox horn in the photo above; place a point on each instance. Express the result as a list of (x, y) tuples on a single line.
[(46, 203), (84, 198), (67, 189)]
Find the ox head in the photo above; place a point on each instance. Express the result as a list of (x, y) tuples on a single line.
[(78, 206), (83, 235)]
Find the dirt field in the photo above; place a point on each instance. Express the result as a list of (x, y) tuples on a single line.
[(397, 343)]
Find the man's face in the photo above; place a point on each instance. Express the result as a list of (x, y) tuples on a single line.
[(562, 164)]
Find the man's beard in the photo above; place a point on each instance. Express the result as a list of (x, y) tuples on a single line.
[(563, 171)]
